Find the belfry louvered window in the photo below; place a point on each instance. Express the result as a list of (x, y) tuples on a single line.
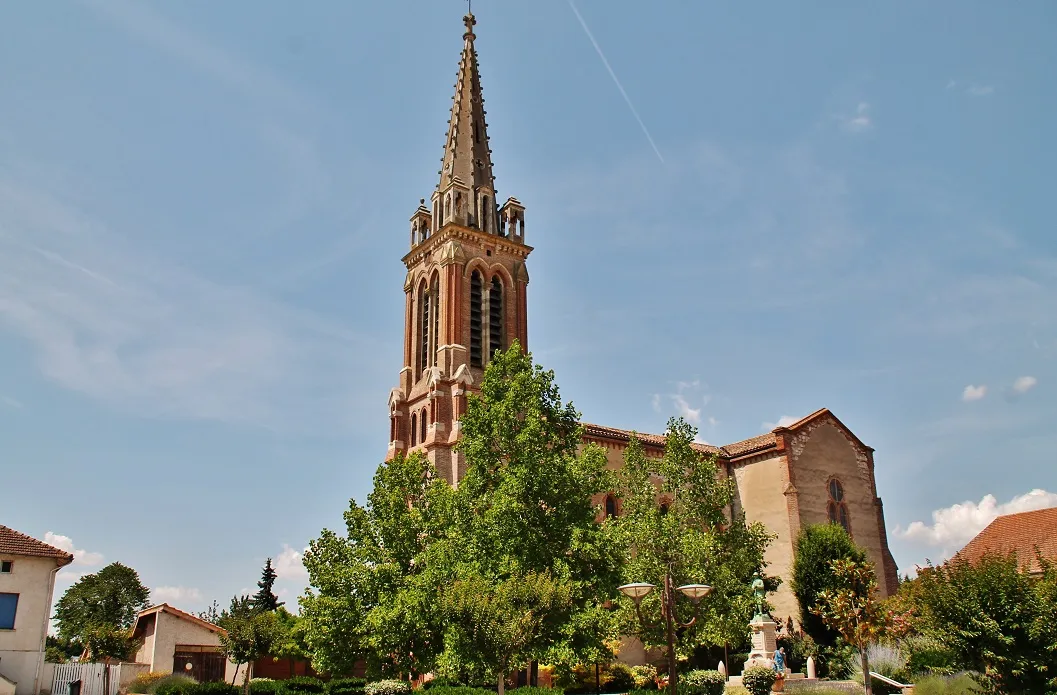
[(476, 293), (423, 328), (495, 317), (435, 334)]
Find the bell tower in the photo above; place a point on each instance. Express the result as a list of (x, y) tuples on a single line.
[(465, 292)]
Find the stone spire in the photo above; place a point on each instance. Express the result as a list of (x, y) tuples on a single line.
[(467, 159)]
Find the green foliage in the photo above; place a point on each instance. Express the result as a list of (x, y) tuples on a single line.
[(373, 591), (961, 684), (702, 683), (217, 688), (693, 539), (620, 678), (107, 642), (249, 634), (501, 624), (468, 690), (525, 505), (387, 687), (758, 679), (853, 610), (738, 690), (55, 655), (346, 686), (816, 548), (173, 684), (645, 677), (994, 619), (60, 650), (265, 599), (526, 690), (304, 684), (266, 686), (927, 655), (112, 596), (798, 647)]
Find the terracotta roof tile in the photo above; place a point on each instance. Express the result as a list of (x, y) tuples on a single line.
[(746, 446), (14, 543), (1020, 533)]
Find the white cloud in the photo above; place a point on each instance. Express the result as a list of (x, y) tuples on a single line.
[(1024, 384), (859, 121), (712, 421), (11, 402), (656, 402), (974, 393), (289, 566), (144, 336), (175, 595), (783, 421), (692, 415), (980, 90), (81, 557), (954, 526)]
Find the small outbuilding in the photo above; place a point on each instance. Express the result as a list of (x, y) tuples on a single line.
[(173, 641)]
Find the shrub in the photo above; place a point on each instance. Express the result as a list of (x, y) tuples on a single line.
[(961, 684), (172, 684), (265, 686), (798, 647), (217, 688), (738, 690), (304, 684), (928, 656), (816, 547), (702, 683), (645, 677), (620, 678), (758, 679), (388, 687), (651, 691), (144, 681), (523, 690), (346, 686), (466, 690)]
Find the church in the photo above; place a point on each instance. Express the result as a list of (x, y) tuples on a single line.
[(466, 297)]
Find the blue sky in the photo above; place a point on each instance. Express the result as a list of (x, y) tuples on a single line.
[(203, 206)]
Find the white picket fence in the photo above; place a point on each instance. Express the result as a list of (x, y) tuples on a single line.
[(91, 677)]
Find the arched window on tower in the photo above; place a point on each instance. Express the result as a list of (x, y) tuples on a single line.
[(495, 317), (611, 506), (435, 328), (476, 343), (423, 327), (414, 428), (422, 424), (837, 507)]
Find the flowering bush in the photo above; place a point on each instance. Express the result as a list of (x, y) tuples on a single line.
[(387, 688), (702, 683)]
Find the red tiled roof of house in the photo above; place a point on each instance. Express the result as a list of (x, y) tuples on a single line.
[(14, 543), (1017, 533), (166, 608)]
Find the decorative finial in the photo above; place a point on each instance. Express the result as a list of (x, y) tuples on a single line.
[(469, 21)]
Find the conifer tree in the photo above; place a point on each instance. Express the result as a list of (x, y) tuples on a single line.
[(265, 600)]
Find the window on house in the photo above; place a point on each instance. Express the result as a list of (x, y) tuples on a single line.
[(475, 320), (611, 507), (8, 607), (837, 508), (5, 567), (495, 317)]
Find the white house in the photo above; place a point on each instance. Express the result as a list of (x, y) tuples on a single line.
[(174, 641), (27, 583)]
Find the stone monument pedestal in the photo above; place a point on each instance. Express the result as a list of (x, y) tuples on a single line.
[(764, 642)]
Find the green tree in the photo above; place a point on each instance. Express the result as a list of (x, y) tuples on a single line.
[(265, 599), (994, 618), (211, 614), (290, 642), (373, 592), (524, 508), (817, 547), (502, 623), (249, 635), (853, 609), (111, 597), (675, 519)]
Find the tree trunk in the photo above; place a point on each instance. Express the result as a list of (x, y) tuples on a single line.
[(235, 675), (106, 677), (502, 682), (867, 680)]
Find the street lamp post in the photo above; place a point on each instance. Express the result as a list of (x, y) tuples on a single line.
[(695, 592)]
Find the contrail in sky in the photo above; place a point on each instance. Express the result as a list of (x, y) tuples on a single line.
[(612, 74)]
